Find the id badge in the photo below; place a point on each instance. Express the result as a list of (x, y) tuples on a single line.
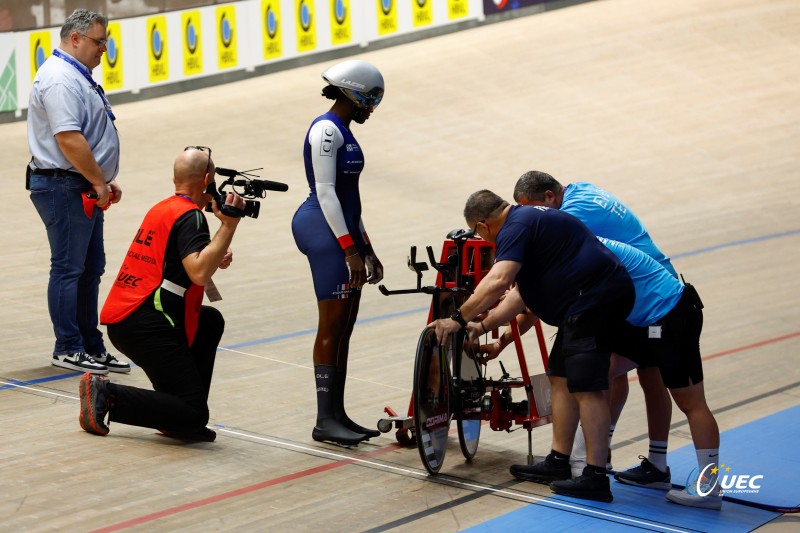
[(654, 332)]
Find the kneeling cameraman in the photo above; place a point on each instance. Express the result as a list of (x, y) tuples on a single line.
[(155, 315)]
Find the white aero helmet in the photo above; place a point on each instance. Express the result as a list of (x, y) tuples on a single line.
[(358, 80)]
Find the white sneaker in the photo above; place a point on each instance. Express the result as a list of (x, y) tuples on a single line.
[(112, 363), (81, 362), (712, 501)]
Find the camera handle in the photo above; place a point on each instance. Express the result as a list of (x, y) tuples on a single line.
[(227, 210)]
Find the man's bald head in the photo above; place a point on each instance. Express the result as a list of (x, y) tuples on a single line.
[(190, 168)]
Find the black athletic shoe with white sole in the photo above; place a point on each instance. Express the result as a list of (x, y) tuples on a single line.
[(81, 362), (646, 475), (112, 363)]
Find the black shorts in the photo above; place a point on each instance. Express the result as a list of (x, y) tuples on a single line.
[(582, 350), (675, 342), (631, 342)]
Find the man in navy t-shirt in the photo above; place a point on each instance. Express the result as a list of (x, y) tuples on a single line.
[(566, 277), (607, 216)]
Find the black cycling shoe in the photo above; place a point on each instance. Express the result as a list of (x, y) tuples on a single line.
[(352, 426), (329, 430), (201, 435)]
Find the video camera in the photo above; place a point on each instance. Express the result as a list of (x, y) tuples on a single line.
[(247, 187)]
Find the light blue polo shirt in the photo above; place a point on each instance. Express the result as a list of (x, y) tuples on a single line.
[(62, 99), (606, 216), (657, 291)]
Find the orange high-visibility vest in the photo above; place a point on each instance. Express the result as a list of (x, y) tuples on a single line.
[(142, 271)]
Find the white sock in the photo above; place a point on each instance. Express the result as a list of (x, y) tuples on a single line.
[(658, 454), (705, 458), (579, 447)]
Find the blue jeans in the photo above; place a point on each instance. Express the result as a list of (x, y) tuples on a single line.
[(77, 260)]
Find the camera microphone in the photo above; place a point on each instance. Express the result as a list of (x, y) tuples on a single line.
[(227, 172), (265, 185)]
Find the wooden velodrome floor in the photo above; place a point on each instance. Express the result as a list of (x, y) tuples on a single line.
[(688, 110)]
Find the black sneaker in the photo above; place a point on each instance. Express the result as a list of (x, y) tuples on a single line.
[(588, 486), (202, 435), (543, 472), (81, 362), (112, 363), (94, 396), (646, 475)]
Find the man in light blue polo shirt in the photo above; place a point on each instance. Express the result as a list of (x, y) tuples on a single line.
[(606, 216), (671, 316), (75, 152)]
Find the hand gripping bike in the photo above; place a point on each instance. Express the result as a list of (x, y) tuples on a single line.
[(449, 379)]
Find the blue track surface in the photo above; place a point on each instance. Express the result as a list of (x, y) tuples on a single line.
[(765, 447)]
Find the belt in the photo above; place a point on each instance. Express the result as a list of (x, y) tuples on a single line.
[(56, 172), (174, 288)]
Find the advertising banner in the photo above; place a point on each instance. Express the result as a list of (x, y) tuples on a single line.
[(422, 13), (112, 59), (227, 55), (498, 6), (340, 22), (271, 28), (8, 73), (40, 50), (157, 56), (305, 25), (457, 9), (387, 17), (191, 28)]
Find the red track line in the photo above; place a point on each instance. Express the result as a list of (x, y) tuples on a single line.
[(740, 349), (330, 466), (238, 492)]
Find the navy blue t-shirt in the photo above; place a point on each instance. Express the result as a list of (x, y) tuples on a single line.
[(565, 269)]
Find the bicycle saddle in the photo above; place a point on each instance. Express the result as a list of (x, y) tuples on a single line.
[(460, 234)]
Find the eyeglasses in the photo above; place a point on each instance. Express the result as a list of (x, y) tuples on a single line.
[(475, 229), (362, 99), (202, 149), (99, 42)]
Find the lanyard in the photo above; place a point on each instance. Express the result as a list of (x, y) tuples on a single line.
[(85, 73)]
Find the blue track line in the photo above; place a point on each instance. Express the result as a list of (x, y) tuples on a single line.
[(388, 316), (310, 331), (737, 243)]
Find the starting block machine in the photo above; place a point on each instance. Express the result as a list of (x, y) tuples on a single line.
[(450, 381)]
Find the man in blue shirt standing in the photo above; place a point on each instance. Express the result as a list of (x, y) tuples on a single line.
[(566, 277), (668, 319), (606, 216), (75, 149)]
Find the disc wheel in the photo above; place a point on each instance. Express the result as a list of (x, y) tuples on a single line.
[(431, 401), (468, 395)]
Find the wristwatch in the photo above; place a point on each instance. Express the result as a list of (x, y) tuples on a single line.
[(458, 318)]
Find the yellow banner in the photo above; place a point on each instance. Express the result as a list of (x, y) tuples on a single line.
[(191, 28), (40, 50), (304, 25), (340, 22), (112, 59), (227, 55), (422, 12), (157, 58), (387, 16), (271, 28), (457, 9)]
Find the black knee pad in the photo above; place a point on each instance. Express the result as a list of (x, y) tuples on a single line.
[(587, 371)]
